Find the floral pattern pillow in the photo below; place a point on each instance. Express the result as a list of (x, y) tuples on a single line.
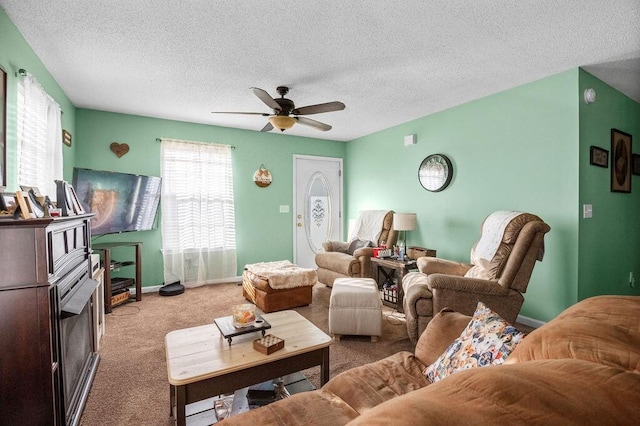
[(487, 340)]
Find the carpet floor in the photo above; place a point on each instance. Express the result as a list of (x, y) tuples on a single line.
[(131, 387)]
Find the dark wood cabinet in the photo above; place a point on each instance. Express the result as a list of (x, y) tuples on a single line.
[(39, 260)]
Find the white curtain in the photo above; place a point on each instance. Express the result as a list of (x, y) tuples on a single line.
[(39, 137), (198, 217)]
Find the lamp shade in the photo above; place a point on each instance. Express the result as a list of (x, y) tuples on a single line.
[(404, 221), (282, 122)]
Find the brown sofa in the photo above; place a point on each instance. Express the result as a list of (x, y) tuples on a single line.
[(581, 368)]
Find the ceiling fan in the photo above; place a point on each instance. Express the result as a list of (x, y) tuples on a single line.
[(285, 114)]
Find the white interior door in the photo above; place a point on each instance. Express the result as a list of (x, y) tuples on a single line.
[(317, 203)]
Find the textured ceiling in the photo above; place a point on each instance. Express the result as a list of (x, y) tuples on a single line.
[(389, 62)]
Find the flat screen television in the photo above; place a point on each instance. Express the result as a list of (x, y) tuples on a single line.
[(121, 202)]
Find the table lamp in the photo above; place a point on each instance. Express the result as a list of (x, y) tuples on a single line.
[(404, 222)]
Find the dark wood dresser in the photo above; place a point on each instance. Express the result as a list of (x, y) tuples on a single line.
[(47, 354)]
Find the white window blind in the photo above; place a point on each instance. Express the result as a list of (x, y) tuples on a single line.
[(39, 137), (198, 216)]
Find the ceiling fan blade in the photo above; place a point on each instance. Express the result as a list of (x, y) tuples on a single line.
[(264, 114), (267, 128), (313, 123), (317, 109), (266, 98)]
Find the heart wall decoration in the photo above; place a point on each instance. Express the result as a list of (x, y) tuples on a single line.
[(119, 149)]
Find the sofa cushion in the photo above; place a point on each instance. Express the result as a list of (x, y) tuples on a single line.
[(301, 409), (444, 328), (601, 329), (546, 392), (356, 244), (487, 340), (371, 384)]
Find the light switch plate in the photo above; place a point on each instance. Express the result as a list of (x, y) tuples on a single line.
[(284, 209), (587, 211)]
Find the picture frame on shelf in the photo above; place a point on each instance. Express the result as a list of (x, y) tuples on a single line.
[(8, 202), (621, 163), (36, 207), (27, 188), (77, 206), (63, 196), (598, 157), (24, 205)]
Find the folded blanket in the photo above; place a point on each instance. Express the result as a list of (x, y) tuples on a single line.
[(492, 232), (283, 274), (368, 226)]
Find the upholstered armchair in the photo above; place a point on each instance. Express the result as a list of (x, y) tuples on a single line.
[(353, 258), (512, 241)]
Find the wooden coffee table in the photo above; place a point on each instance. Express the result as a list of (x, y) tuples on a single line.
[(201, 364)]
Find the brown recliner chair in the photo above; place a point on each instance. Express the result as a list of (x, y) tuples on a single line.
[(499, 282), (342, 259)]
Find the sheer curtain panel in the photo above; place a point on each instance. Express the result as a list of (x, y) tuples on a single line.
[(198, 217), (39, 137)]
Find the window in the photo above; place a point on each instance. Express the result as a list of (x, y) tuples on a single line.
[(39, 137), (198, 217)]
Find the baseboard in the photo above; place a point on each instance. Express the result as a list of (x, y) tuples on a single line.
[(531, 322), (155, 288)]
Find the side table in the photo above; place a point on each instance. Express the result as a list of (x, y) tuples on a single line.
[(397, 269)]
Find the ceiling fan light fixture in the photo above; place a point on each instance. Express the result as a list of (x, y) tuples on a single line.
[(282, 122)]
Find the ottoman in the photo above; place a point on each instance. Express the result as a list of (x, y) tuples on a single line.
[(275, 286), (355, 308)]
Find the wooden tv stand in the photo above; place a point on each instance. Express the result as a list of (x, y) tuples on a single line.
[(110, 266)]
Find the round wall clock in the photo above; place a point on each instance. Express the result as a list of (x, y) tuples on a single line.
[(435, 172)]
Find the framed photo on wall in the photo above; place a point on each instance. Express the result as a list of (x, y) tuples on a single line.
[(620, 161), (635, 164), (598, 156)]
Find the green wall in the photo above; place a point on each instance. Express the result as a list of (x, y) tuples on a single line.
[(262, 233), (515, 150), (524, 149), (15, 54), (609, 247)]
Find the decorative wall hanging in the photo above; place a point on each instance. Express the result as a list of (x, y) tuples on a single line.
[(262, 177), (119, 149), (620, 161), (435, 172), (635, 164), (66, 138), (598, 156)]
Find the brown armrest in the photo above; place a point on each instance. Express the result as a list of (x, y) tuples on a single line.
[(462, 284), (442, 330), (340, 246), (363, 251), (436, 265)]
